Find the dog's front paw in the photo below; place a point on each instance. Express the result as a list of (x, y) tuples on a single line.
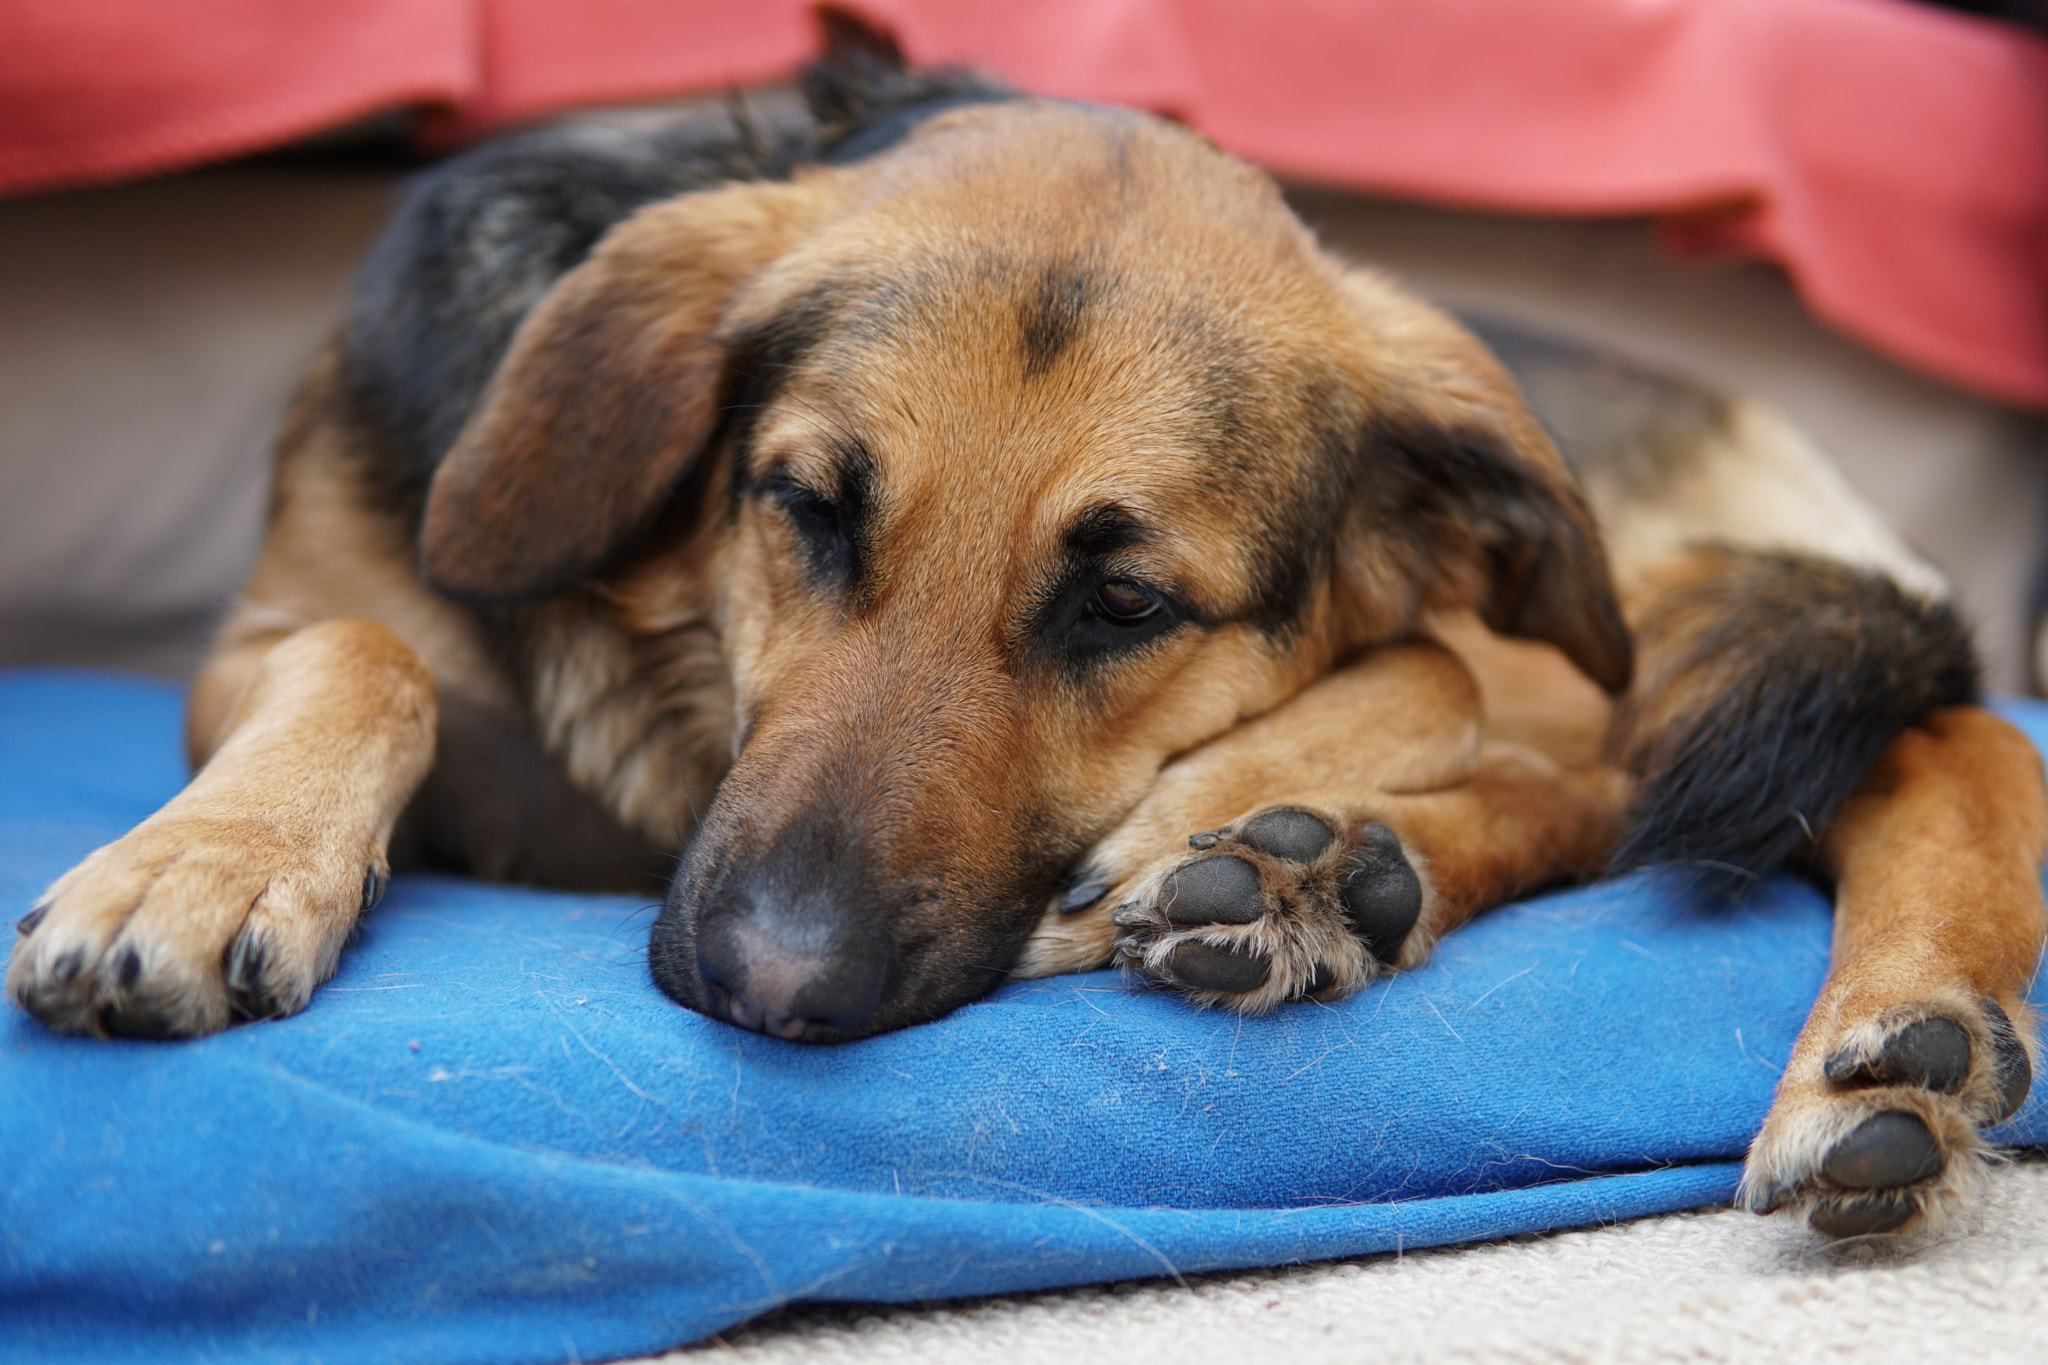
[(1277, 906), (1881, 1135), (189, 923)]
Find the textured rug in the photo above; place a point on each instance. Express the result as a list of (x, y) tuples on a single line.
[(1712, 1285)]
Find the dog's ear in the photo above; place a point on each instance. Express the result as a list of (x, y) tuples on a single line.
[(607, 396), (1466, 474)]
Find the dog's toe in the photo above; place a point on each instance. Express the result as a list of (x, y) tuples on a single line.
[(1220, 969), (1932, 1053), (1883, 1211), (1295, 836), (1224, 889), (249, 992), (1381, 893), (1887, 1149)]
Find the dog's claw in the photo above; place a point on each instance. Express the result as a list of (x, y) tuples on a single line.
[(247, 991), (26, 925), (1769, 1198), (374, 883), (1082, 894), (1206, 840)]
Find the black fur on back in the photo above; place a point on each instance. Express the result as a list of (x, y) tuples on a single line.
[(481, 238), (1769, 687)]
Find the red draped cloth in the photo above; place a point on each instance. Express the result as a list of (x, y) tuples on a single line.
[(1894, 158)]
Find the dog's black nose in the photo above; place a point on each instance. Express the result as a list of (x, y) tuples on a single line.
[(788, 970)]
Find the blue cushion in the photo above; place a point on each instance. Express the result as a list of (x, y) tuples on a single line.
[(491, 1139)]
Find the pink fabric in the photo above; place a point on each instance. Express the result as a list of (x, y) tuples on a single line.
[(1893, 157), (96, 90)]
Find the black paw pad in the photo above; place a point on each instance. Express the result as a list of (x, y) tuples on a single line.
[(26, 925), (1866, 1216), (1220, 890), (247, 991), (373, 887), (1382, 895), (1294, 835), (2011, 1072), (1887, 1149), (1213, 969), (1933, 1054)]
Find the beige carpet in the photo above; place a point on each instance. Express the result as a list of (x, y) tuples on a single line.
[(1705, 1286)]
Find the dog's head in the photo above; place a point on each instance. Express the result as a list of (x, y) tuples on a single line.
[(1029, 451)]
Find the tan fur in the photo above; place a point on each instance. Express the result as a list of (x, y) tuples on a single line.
[(1937, 906), (270, 843)]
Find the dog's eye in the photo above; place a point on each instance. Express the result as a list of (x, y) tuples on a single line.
[(821, 527), (1124, 603), (1095, 621)]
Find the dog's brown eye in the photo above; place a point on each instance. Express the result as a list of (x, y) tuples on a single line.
[(1125, 603)]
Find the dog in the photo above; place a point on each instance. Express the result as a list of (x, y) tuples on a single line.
[(990, 538)]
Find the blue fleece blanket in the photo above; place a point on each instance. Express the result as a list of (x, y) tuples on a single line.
[(490, 1139)]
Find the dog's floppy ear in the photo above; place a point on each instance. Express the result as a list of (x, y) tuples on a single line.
[(609, 392), (1496, 521)]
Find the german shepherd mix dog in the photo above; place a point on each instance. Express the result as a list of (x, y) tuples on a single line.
[(1049, 557)]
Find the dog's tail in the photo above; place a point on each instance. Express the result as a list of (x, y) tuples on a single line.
[(1768, 683)]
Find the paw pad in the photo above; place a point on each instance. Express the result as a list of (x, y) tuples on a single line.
[(1885, 1150), (1220, 890), (1216, 969), (1932, 1053), (1294, 835), (1381, 894), (1885, 1211)]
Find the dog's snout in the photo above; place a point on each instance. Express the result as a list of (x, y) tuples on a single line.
[(794, 966)]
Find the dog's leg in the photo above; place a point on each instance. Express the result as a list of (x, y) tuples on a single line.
[(234, 900), (1331, 839), (1921, 1036)]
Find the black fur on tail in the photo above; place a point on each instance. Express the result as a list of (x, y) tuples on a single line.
[(1769, 684)]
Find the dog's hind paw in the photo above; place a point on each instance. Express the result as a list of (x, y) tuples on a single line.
[(1277, 906), (1881, 1137)]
